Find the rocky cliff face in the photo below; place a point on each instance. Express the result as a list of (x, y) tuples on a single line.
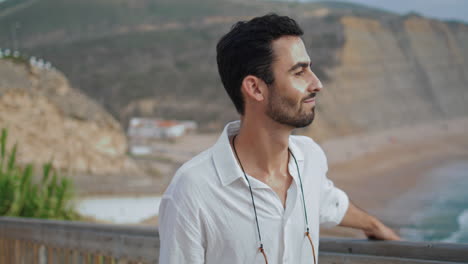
[(51, 121), (393, 73)]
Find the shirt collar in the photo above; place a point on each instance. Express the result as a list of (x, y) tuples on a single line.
[(224, 158)]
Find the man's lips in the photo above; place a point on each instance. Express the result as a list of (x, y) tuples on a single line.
[(311, 98)]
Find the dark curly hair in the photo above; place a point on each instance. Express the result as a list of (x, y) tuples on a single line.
[(247, 50)]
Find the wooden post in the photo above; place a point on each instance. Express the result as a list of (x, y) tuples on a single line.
[(2, 254), (35, 253), (26, 256), (107, 260), (25, 252), (8, 251), (96, 259), (42, 254), (50, 255), (74, 257), (30, 258), (3, 251), (122, 261), (17, 251), (86, 258)]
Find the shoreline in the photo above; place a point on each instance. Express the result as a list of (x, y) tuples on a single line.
[(386, 182), (395, 210)]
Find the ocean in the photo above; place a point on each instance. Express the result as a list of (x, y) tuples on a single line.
[(120, 210), (443, 212), (440, 214)]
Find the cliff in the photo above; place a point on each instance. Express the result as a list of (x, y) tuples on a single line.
[(51, 121), (394, 73)]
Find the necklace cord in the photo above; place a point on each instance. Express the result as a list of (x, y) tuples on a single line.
[(302, 191), (251, 194), (312, 244), (307, 233), (264, 255)]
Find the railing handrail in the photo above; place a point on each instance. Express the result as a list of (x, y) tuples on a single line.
[(72, 225), (142, 243), (433, 251), (126, 242)]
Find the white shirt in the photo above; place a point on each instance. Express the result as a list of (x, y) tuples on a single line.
[(206, 214)]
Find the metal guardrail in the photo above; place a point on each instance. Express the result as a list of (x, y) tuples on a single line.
[(25, 241)]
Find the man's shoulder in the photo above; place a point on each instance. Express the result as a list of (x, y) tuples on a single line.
[(198, 162), (311, 150), (305, 143), (193, 175)]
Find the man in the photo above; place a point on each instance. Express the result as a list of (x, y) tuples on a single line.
[(259, 194)]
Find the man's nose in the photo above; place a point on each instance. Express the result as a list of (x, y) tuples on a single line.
[(315, 84)]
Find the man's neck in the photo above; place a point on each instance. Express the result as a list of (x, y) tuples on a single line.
[(262, 146)]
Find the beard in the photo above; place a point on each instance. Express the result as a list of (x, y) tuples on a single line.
[(286, 111)]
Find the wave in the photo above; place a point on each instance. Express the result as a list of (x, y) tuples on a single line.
[(461, 235)]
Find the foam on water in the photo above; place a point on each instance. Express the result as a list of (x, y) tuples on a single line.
[(462, 233), (120, 210), (443, 217)]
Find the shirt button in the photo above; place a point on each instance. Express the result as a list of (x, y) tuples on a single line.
[(337, 204)]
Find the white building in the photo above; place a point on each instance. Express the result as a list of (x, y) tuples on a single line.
[(149, 128)]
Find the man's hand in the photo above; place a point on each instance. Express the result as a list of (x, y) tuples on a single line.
[(372, 227), (381, 232)]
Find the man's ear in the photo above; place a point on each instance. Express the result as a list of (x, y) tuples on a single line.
[(254, 88)]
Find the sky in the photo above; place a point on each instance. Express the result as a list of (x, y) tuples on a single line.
[(441, 9)]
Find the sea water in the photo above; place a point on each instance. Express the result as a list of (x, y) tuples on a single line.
[(120, 210), (443, 217)]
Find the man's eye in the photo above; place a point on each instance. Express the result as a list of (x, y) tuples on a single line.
[(299, 73)]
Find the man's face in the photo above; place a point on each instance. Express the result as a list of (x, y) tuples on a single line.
[(291, 98)]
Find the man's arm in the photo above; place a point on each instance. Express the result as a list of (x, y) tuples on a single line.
[(180, 238), (372, 227)]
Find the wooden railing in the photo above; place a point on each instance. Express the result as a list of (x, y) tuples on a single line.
[(350, 251), (25, 241), (56, 242)]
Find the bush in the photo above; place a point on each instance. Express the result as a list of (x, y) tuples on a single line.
[(21, 197)]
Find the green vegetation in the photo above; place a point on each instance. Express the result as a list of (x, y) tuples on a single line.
[(93, 18), (21, 197), (18, 59)]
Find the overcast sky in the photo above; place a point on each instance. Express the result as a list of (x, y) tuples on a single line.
[(442, 9)]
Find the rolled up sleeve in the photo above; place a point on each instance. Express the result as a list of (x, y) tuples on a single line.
[(333, 204), (180, 236)]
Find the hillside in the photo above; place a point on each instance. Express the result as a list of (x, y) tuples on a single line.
[(51, 121), (157, 58)]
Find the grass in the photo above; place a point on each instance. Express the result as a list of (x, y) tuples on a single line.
[(19, 60), (50, 198)]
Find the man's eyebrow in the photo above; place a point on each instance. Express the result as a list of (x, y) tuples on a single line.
[(300, 65)]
